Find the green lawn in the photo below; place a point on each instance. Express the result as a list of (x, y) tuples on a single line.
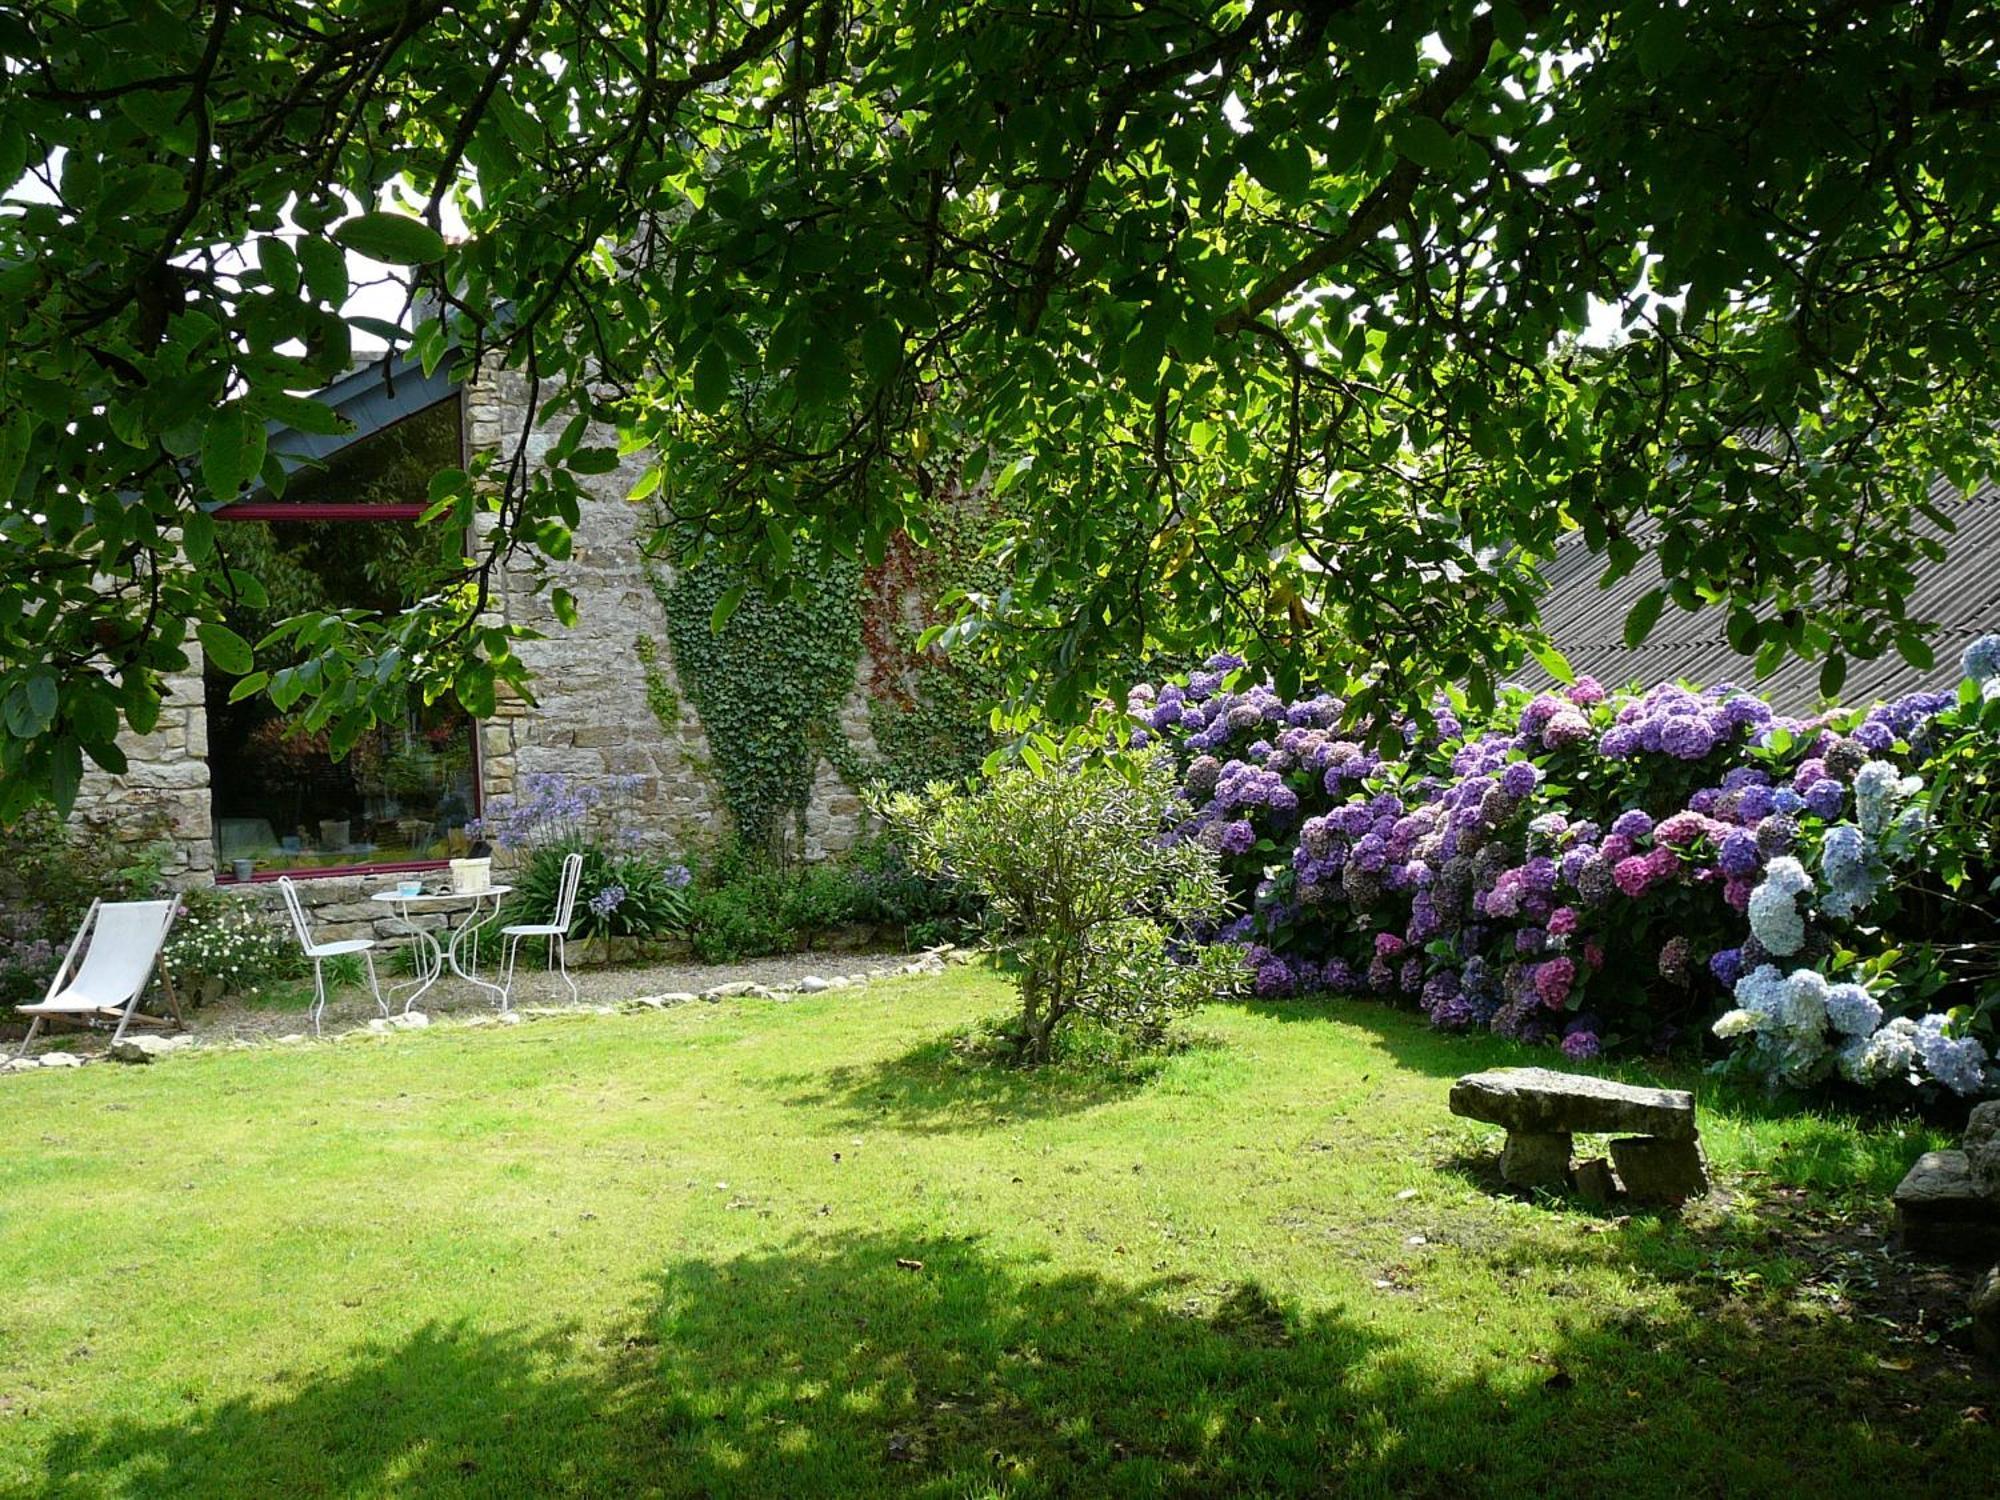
[(802, 1249)]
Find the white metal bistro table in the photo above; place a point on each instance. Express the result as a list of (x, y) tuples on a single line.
[(434, 957)]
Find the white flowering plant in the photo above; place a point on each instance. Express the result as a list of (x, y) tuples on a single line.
[(220, 948), (1901, 896)]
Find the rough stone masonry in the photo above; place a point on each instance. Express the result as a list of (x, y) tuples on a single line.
[(1657, 1157)]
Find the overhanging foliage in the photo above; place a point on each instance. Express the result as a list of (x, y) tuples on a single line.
[(1265, 312)]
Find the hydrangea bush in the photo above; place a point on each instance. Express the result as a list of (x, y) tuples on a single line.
[(1600, 870)]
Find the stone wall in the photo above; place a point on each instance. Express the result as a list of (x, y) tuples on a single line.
[(163, 795), (593, 716)]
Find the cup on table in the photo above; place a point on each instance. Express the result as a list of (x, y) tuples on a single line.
[(409, 887)]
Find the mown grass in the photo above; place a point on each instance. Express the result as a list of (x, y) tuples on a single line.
[(806, 1248)]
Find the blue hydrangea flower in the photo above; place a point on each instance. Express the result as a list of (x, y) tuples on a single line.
[(1852, 1010), (1981, 659)]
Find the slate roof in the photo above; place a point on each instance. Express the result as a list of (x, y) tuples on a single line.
[(1960, 595)]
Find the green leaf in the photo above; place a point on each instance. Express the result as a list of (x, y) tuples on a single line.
[(1427, 143), (881, 348), (249, 687), (1351, 136), (279, 263), (1915, 650), (17, 435), (1831, 675), (232, 450), (226, 649), (1553, 661), (44, 697), (198, 536), (711, 381), (65, 774), (593, 460), (1285, 167), (725, 607), (92, 714), (1639, 623), (395, 239), (325, 269)]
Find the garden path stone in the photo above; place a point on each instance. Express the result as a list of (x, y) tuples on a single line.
[(62, 1060), (145, 1049), (1543, 1101), (1982, 1146), (1660, 1171), (1941, 1211), (1535, 1159), (812, 984), (1986, 1314)]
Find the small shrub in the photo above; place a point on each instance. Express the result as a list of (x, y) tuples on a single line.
[(1070, 856), (889, 891), (737, 921), (221, 947)]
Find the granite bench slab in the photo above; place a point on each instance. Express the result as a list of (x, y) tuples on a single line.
[(1541, 1101)]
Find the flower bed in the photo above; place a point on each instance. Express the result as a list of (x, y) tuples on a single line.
[(1612, 870)]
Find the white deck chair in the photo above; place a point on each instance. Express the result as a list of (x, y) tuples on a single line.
[(319, 952), (557, 932), (124, 940)]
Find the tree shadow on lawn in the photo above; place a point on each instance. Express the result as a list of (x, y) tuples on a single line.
[(937, 1087), (876, 1364)]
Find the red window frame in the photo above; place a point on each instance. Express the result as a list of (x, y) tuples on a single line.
[(279, 510)]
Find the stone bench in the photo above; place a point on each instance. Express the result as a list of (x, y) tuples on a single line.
[(1658, 1159)]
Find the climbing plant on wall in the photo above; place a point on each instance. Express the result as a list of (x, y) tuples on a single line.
[(769, 683), (927, 711)]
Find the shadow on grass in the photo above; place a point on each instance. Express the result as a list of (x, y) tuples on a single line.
[(873, 1364), (941, 1086)]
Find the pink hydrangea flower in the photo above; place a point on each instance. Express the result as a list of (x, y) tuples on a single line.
[(1553, 979), (1562, 921), (1634, 874), (1681, 829)]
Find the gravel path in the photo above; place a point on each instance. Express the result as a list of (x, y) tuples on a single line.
[(451, 996)]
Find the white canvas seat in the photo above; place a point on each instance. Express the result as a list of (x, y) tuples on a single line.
[(120, 942), (320, 952), (556, 932)]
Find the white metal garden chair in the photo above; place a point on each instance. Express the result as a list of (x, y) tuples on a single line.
[(320, 952), (556, 932), (124, 940)]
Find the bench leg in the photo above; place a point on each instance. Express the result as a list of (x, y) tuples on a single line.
[(1534, 1160)]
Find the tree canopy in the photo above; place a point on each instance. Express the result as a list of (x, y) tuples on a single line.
[(1262, 321)]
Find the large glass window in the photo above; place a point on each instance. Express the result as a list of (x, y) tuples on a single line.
[(340, 538)]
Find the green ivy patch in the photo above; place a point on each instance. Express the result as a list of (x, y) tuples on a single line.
[(768, 685)]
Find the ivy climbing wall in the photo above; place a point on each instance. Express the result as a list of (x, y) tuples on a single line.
[(765, 730)]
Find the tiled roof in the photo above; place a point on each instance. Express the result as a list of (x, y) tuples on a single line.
[(1959, 596)]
